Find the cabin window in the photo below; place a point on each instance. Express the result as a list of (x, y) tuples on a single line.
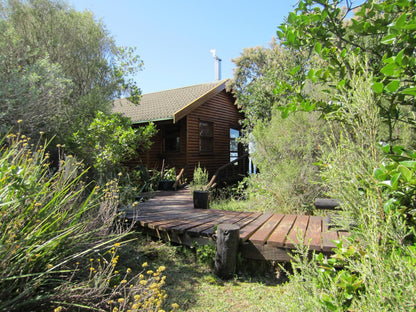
[(171, 139), (234, 134), (206, 137)]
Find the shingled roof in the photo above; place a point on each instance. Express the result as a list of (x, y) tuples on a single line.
[(170, 104)]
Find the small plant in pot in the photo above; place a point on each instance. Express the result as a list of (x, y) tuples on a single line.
[(200, 188), (167, 180)]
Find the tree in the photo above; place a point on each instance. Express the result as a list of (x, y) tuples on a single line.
[(380, 32), (253, 83), (62, 62), (109, 142)]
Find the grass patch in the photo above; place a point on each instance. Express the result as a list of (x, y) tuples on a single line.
[(193, 286)]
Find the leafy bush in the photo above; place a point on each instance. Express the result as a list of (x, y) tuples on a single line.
[(109, 141), (397, 178), (285, 153)]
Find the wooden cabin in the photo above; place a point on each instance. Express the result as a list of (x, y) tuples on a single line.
[(197, 124)]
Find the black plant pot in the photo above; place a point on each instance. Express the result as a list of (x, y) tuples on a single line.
[(166, 185), (201, 199)]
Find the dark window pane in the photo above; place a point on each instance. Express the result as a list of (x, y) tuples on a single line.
[(206, 136)]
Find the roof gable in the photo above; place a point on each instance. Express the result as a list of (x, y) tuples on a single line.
[(170, 104)]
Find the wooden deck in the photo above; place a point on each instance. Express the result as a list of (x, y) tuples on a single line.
[(170, 216)]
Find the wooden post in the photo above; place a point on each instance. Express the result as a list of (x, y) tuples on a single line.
[(228, 238)]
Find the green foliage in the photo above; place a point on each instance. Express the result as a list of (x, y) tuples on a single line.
[(169, 174), (398, 180), (48, 220), (200, 180), (206, 254), (58, 66), (109, 141), (378, 31), (288, 177), (254, 81)]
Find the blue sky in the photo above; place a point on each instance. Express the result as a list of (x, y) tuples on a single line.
[(174, 37)]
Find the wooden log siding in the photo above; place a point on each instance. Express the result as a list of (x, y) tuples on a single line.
[(221, 111)]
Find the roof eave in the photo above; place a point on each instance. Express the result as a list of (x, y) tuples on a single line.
[(199, 101), (151, 120)]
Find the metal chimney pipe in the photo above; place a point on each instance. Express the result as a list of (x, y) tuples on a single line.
[(217, 65)]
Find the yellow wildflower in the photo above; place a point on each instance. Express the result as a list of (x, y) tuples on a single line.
[(123, 281), (144, 264), (136, 297), (58, 309), (175, 306), (120, 300)]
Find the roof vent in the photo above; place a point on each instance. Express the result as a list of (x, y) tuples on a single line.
[(217, 65)]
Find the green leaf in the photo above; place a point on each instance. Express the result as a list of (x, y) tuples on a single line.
[(408, 163), (318, 47), (311, 73), (392, 86), (379, 174), (400, 22), (395, 180), (377, 87), (295, 70), (410, 26), (389, 70), (405, 172), (409, 91), (389, 204), (292, 17)]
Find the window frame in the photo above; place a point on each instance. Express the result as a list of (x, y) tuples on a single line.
[(172, 132), (209, 137)]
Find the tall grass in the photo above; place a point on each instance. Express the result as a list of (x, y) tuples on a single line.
[(50, 221)]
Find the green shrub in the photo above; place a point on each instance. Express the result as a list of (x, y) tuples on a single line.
[(285, 153), (51, 224), (200, 180)]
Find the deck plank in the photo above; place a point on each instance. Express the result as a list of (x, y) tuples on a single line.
[(299, 228), (313, 235), (262, 234), (278, 237), (252, 227)]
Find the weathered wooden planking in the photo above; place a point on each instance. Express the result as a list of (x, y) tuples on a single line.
[(250, 228), (211, 222), (313, 235), (250, 218), (208, 228), (194, 222), (262, 234), (278, 237), (328, 236), (298, 229), (227, 219)]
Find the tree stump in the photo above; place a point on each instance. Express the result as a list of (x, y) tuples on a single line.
[(228, 237)]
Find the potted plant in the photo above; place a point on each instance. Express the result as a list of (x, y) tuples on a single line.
[(200, 188), (167, 180)]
